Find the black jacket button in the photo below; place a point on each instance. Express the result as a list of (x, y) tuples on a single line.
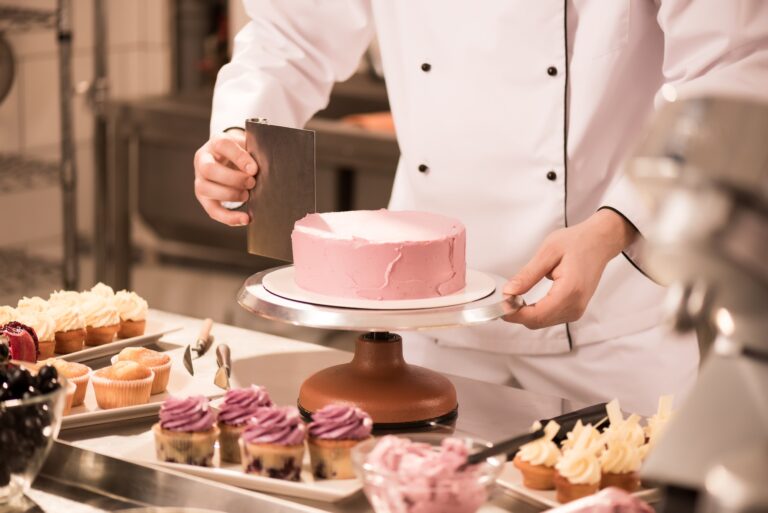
[(426, 66), (551, 71), (551, 176), (423, 168)]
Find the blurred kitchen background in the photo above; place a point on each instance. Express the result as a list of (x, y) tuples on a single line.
[(133, 111)]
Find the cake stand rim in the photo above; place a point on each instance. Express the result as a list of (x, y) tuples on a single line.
[(256, 299)]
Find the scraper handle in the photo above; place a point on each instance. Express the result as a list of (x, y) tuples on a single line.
[(205, 329), (589, 415)]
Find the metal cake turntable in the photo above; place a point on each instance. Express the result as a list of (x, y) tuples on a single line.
[(395, 393)]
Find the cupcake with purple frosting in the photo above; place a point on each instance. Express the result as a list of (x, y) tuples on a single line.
[(334, 430), (272, 443), (239, 405), (187, 431)]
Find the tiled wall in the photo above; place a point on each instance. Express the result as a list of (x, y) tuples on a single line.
[(139, 62)]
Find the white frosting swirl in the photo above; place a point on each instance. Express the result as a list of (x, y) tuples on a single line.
[(67, 317), (34, 304), (540, 452), (629, 432), (621, 457), (7, 314), (102, 290), (65, 297), (131, 306), (42, 322), (98, 311), (579, 466)]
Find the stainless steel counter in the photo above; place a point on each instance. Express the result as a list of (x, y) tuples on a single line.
[(487, 411)]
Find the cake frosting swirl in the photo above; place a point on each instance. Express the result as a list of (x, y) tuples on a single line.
[(190, 414), (131, 306), (33, 304), (42, 322), (103, 290), (542, 451), (340, 422), (65, 297), (579, 466), (7, 314), (620, 457), (241, 403), (657, 423), (275, 425), (98, 310), (67, 317)]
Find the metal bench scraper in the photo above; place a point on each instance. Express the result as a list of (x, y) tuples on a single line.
[(285, 186)]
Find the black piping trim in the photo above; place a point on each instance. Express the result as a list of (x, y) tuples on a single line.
[(233, 128), (634, 264), (565, 139)]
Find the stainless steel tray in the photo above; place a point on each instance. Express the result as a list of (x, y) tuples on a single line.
[(258, 300)]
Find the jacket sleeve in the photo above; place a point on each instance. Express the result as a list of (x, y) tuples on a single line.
[(287, 58), (711, 47)]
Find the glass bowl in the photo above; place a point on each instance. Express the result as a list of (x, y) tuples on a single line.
[(27, 429), (431, 490)]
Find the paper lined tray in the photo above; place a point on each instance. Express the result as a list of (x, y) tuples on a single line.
[(512, 479), (179, 384), (141, 449)]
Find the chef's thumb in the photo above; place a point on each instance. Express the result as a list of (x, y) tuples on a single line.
[(531, 274)]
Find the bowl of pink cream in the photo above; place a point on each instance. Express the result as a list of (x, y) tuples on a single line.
[(424, 473)]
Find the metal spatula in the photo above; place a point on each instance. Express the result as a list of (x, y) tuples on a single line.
[(201, 345), (285, 186)]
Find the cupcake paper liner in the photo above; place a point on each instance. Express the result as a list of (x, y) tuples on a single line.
[(130, 329), (113, 393), (272, 460), (98, 336), (190, 448), (69, 341), (331, 459)]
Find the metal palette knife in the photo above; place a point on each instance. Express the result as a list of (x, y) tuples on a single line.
[(285, 186)]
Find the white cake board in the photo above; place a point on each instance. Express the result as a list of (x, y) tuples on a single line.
[(281, 282)]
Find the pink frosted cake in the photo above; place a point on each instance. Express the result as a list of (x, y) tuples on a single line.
[(379, 254)]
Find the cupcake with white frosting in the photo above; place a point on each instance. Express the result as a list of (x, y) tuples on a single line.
[(133, 313), (45, 328), (578, 472), (102, 320), (620, 462), (69, 326), (536, 460)]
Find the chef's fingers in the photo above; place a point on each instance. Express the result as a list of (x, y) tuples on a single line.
[(552, 309), (214, 191), (215, 172), (539, 267), (225, 146), (218, 213)]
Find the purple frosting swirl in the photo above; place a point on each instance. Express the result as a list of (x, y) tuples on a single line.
[(275, 425), (240, 403), (191, 414), (340, 422)]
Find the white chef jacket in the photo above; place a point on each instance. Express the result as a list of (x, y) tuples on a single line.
[(511, 115)]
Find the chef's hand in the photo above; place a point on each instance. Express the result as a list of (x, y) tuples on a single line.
[(224, 171), (574, 259)]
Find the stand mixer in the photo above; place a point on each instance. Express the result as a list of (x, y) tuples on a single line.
[(703, 166)]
